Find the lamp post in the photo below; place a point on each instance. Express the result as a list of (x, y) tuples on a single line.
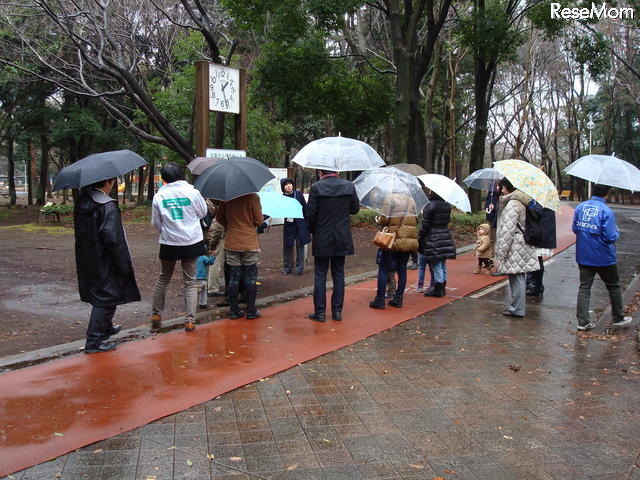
[(590, 126)]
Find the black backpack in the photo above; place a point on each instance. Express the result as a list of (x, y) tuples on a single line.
[(534, 232)]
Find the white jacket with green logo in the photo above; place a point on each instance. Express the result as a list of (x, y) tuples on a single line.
[(176, 213)]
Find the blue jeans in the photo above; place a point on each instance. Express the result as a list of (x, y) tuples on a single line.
[(422, 264), (439, 271), (392, 261)]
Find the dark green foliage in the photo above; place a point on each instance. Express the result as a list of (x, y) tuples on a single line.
[(591, 50)]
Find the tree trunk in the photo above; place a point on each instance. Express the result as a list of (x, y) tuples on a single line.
[(482, 91), (151, 180), (29, 174), (140, 185), (11, 171), (44, 169)]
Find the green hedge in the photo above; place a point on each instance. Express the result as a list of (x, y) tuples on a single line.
[(460, 221)]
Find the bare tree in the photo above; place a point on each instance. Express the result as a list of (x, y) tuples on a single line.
[(108, 49)]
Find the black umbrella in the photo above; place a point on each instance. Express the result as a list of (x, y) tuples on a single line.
[(233, 177), (97, 167)]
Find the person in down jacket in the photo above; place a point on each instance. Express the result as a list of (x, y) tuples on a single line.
[(436, 242), (396, 258), (513, 256)]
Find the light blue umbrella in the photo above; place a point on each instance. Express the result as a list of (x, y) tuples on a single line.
[(277, 205)]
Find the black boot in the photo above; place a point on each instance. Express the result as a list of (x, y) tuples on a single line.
[(233, 289), (438, 290), (377, 302), (442, 290), (396, 301), (250, 273)]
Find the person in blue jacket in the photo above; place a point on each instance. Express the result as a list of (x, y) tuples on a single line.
[(594, 224)]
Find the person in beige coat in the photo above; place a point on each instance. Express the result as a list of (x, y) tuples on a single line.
[(483, 248), (513, 257), (396, 258)]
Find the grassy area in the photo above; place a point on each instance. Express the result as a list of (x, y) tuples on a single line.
[(49, 229)]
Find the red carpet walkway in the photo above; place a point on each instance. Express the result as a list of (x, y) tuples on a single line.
[(50, 409)]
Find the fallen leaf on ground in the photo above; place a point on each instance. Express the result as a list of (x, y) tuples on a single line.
[(507, 437), (217, 409), (235, 459), (189, 462), (210, 456), (292, 467), (150, 477), (449, 472), (171, 448), (515, 368), (97, 451), (58, 434), (419, 467)]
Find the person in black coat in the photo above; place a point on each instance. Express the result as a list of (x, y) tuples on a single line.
[(491, 209), (435, 242), (331, 202), (294, 231), (547, 221), (103, 262)]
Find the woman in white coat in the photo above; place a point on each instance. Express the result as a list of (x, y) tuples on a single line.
[(513, 256)]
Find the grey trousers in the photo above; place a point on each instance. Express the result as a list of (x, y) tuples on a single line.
[(190, 286), (609, 275), (518, 287)]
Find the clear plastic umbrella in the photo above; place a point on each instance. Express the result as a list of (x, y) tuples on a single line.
[(390, 192), (448, 190), (483, 179), (606, 170), (339, 154)]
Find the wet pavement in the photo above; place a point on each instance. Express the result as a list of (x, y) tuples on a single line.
[(458, 393)]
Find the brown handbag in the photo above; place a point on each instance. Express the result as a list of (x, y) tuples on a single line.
[(384, 239)]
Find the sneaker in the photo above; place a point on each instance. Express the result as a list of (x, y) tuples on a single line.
[(420, 289), (189, 326), (204, 305), (625, 321), (588, 326)]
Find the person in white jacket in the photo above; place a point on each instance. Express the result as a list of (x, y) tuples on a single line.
[(176, 213)]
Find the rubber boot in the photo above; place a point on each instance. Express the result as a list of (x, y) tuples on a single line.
[(438, 290), (396, 301), (377, 302), (233, 289), (250, 273), (441, 290)]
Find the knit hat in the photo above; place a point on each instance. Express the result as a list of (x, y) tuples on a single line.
[(284, 181)]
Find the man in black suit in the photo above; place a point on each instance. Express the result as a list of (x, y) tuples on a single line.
[(331, 202)]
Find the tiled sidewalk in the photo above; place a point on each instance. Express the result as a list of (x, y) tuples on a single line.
[(460, 393)]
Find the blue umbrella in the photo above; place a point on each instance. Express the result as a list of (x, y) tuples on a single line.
[(277, 205)]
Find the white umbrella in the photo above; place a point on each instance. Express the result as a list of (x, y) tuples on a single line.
[(447, 189), (606, 170), (339, 154), (390, 192)]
